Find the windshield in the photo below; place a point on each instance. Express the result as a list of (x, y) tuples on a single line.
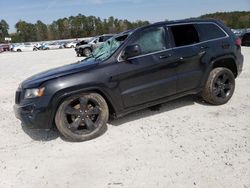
[(93, 40), (107, 48)]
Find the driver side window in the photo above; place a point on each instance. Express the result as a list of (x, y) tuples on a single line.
[(152, 40)]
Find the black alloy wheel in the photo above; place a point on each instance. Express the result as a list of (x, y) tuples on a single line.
[(220, 86), (82, 117)]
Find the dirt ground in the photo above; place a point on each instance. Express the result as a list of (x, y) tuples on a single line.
[(185, 144)]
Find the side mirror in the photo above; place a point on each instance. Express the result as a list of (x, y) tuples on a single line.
[(131, 51)]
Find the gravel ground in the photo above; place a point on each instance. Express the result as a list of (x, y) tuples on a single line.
[(185, 144)]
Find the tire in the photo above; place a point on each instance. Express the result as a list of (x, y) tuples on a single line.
[(81, 52), (219, 87), (87, 52), (34, 49), (18, 50), (82, 117)]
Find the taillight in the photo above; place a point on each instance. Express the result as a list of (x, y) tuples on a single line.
[(238, 42)]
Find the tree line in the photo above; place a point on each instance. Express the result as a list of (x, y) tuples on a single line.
[(86, 26), (234, 20), (71, 27)]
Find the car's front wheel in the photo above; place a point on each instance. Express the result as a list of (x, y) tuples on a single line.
[(87, 52), (219, 87), (82, 117)]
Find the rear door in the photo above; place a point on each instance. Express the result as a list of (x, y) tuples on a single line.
[(188, 54)]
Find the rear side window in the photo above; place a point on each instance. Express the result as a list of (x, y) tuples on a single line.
[(210, 31), (184, 35), (152, 40)]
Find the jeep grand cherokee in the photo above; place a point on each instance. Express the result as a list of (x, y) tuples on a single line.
[(133, 70)]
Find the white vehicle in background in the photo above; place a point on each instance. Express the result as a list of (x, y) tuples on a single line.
[(24, 48), (71, 44), (52, 46), (38, 46)]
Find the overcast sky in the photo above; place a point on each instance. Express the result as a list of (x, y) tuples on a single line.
[(152, 10)]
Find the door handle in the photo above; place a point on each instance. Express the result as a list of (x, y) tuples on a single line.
[(201, 53), (165, 56), (204, 47)]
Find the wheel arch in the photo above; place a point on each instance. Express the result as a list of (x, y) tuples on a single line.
[(87, 47), (60, 96), (224, 61)]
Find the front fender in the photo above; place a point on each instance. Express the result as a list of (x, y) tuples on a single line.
[(59, 97)]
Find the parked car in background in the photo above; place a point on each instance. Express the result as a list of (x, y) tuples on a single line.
[(238, 32), (52, 46), (71, 44), (131, 71), (24, 48), (87, 49), (83, 42), (4, 47), (245, 39), (38, 45)]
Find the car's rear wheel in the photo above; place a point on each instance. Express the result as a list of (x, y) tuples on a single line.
[(219, 87), (82, 117), (87, 52), (18, 50)]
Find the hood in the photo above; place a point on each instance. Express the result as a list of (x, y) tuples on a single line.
[(38, 79), (81, 43), (84, 45)]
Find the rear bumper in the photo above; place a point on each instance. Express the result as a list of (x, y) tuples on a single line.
[(240, 60)]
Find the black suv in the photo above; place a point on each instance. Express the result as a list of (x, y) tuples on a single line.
[(133, 70)]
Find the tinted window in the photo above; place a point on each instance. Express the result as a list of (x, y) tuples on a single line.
[(184, 34), (210, 31), (152, 40)]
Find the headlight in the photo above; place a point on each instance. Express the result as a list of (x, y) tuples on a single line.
[(33, 93)]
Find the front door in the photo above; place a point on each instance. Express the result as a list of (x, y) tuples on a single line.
[(150, 75)]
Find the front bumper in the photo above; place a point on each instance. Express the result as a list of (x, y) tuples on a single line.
[(33, 116), (77, 50)]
